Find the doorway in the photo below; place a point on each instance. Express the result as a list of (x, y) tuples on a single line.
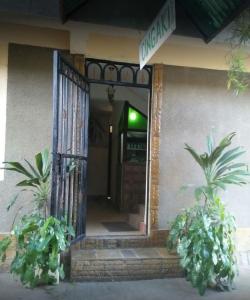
[(117, 160), (118, 147), (101, 146)]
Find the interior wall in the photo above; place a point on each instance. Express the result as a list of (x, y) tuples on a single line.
[(138, 98), (196, 102), (98, 149), (117, 111), (29, 118)]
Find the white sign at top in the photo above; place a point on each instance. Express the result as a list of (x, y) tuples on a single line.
[(160, 30)]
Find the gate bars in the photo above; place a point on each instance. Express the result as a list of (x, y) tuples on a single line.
[(70, 144)]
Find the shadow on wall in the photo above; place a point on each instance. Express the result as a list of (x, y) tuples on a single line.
[(29, 116)]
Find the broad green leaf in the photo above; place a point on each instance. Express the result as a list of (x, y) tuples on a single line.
[(194, 154), (214, 258), (229, 167), (227, 154), (210, 144), (220, 184), (39, 163), (17, 167), (46, 161), (4, 245), (226, 141), (231, 158), (237, 173), (31, 183), (221, 147)]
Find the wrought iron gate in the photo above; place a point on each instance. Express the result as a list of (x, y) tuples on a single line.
[(70, 144)]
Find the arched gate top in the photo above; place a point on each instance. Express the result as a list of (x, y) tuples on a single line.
[(118, 73)]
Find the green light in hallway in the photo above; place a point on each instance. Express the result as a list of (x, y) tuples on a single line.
[(132, 116), (136, 120)]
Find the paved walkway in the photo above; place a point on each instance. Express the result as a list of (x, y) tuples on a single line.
[(165, 289)]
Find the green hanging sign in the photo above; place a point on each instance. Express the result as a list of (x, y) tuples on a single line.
[(160, 30)]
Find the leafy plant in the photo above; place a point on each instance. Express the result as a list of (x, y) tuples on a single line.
[(204, 234), (40, 239), (39, 243), (36, 178), (238, 80), (4, 245)]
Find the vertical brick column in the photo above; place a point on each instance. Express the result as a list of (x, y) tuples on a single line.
[(156, 108), (79, 63)]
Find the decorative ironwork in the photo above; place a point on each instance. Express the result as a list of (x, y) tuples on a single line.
[(70, 144), (118, 73)]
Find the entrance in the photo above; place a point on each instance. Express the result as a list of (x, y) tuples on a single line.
[(117, 161), (109, 133)]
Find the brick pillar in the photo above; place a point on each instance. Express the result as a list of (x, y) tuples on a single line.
[(79, 63), (156, 107)]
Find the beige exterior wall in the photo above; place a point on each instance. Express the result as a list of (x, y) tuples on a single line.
[(34, 36), (29, 118), (122, 44), (3, 100), (196, 102)]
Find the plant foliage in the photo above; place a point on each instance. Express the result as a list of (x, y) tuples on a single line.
[(204, 234), (39, 242), (238, 80), (36, 177), (40, 239), (4, 245)]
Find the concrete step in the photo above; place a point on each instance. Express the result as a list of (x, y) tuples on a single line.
[(123, 264), (156, 239), (135, 220)]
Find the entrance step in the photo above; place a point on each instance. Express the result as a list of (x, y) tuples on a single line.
[(157, 239), (123, 264)]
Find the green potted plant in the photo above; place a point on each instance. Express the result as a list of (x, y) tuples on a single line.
[(39, 244), (203, 235), (36, 180), (40, 239)]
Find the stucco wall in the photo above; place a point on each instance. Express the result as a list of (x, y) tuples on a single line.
[(29, 117), (195, 102), (3, 98), (113, 43)]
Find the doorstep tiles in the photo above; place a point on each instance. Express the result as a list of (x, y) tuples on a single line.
[(128, 253), (108, 253), (147, 253)]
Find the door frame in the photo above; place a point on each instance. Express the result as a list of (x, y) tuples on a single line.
[(155, 111), (153, 231), (148, 69)]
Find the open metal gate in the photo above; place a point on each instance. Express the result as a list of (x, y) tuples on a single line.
[(70, 144)]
